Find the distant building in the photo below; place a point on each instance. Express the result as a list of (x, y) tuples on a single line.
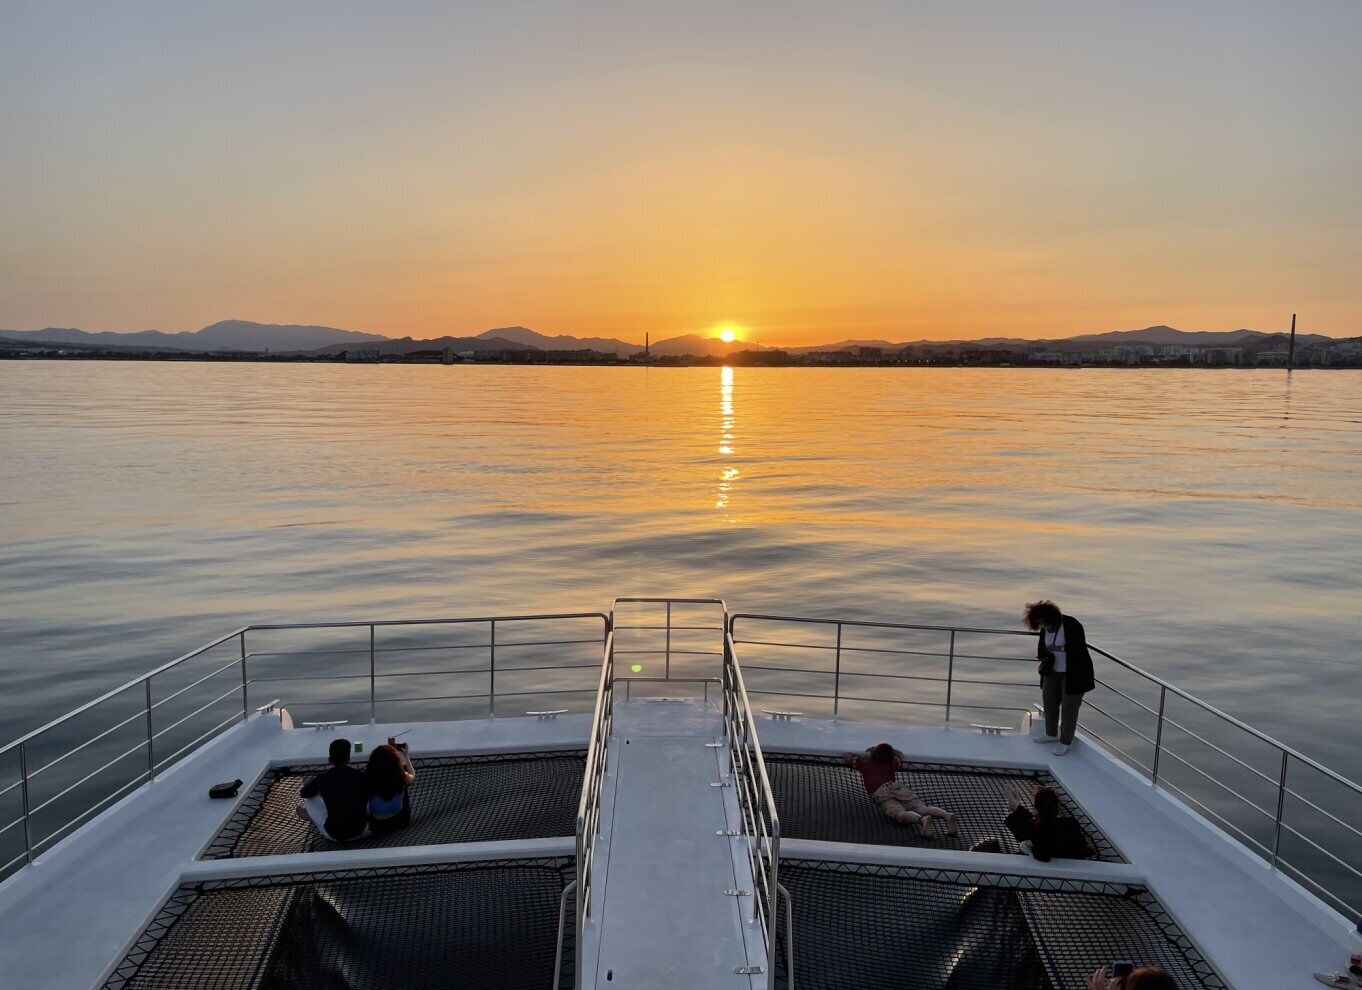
[(361, 355)]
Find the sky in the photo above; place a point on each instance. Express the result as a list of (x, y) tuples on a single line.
[(807, 172)]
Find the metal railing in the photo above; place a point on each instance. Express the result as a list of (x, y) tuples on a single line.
[(589, 807), (156, 723), (760, 819), (1196, 763)]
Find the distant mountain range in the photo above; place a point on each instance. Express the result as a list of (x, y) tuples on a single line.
[(242, 335), (227, 335)]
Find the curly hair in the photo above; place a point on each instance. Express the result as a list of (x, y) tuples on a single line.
[(1042, 613)]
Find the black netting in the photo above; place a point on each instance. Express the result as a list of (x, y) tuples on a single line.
[(482, 798), (820, 797), (465, 925), (867, 927)]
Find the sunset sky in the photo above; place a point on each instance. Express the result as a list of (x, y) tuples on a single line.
[(805, 171)]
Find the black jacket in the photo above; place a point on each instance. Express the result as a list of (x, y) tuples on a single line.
[(1078, 676), (1062, 837)]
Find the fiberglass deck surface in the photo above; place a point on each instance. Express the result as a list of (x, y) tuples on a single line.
[(480, 798)]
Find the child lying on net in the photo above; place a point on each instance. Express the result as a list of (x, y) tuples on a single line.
[(878, 767)]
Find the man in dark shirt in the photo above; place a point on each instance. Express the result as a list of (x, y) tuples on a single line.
[(337, 800)]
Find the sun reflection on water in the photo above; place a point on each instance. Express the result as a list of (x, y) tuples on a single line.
[(728, 473)]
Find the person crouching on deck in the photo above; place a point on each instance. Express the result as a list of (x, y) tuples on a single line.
[(878, 767)]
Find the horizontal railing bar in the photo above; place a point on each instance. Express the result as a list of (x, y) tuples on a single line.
[(188, 746), (1224, 787), (975, 680), (674, 628), (507, 669), (1088, 730), (833, 647), (676, 653), (417, 649), (1318, 848), (1227, 755), (1128, 728), (1264, 737), (310, 677), (17, 821), (464, 697), (89, 776), (664, 679), (423, 622), (135, 682), (1133, 701), (663, 601), (234, 662), (733, 620), (22, 855), (1323, 811), (233, 690), (139, 715)]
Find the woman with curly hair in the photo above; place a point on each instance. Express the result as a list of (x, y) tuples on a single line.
[(389, 775), (1065, 670)]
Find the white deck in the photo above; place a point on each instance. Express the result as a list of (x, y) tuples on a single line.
[(662, 918), (665, 921)]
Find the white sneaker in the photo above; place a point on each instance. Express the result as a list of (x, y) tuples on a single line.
[(1045, 739), (1061, 749)]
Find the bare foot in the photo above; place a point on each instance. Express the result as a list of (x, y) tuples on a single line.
[(952, 825), (926, 831)]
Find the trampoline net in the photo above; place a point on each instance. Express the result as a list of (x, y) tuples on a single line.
[(863, 926), (820, 797), (466, 925), (483, 798)]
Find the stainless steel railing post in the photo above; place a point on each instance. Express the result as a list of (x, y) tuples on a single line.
[(837, 672), (1281, 807), (667, 659), (1158, 738), (950, 676), (373, 676), (492, 670), (151, 736), (23, 791), (245, 710)]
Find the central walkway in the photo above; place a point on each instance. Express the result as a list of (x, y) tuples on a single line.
[(665, 918)]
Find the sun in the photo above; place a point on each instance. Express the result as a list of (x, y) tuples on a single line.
[(727, 335)]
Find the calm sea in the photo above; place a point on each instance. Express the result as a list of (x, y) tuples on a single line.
[(1205, 524)]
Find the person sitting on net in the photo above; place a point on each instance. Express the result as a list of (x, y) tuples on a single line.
[(1143, 978), (336, 801), (389, 774), (1047, 832), (878, 767)]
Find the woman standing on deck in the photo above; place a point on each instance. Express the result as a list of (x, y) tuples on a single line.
[(1065, 670)]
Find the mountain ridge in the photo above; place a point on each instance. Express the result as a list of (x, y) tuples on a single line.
[(247, 336)]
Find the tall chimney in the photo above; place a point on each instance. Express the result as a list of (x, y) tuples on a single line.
[(647, 345), (1291, 350)]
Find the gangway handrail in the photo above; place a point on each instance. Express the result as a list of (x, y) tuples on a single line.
[(589, 805), (757, 811)]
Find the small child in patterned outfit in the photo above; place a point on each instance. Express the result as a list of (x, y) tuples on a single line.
[(879, 767)]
